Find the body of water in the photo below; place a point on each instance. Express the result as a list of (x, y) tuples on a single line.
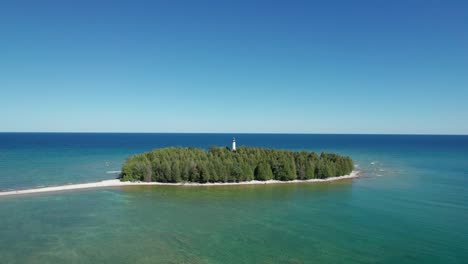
[(409, 206)]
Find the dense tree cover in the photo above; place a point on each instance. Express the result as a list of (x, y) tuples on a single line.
[(220, 164)]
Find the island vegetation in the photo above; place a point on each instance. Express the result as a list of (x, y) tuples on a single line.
[(220, 164)]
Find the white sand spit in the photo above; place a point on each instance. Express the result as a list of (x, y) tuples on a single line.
[(118, 183)]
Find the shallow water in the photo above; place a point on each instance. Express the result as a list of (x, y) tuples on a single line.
[(409, 206)]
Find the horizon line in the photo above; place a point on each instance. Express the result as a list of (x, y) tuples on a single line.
[(245, 133)]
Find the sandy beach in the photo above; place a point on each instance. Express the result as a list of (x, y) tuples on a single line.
[(118, 183)]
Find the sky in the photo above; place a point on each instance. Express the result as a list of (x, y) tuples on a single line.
[(386, 67)]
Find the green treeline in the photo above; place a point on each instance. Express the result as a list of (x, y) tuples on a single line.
[(220, 164)]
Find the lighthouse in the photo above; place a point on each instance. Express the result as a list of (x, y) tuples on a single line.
[(233, 144)]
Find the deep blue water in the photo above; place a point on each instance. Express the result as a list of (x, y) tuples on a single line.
[(409, 206)]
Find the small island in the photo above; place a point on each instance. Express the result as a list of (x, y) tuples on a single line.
[(231, 165), (219, 166)]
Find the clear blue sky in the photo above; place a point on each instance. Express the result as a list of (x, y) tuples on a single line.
[(234, 66)]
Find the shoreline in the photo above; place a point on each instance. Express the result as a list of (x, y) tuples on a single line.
[(118, 183)]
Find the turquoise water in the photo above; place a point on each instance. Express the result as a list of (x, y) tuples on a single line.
[(409, 206)]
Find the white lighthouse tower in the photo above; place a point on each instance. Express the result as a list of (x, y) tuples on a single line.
[(233, 144)]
